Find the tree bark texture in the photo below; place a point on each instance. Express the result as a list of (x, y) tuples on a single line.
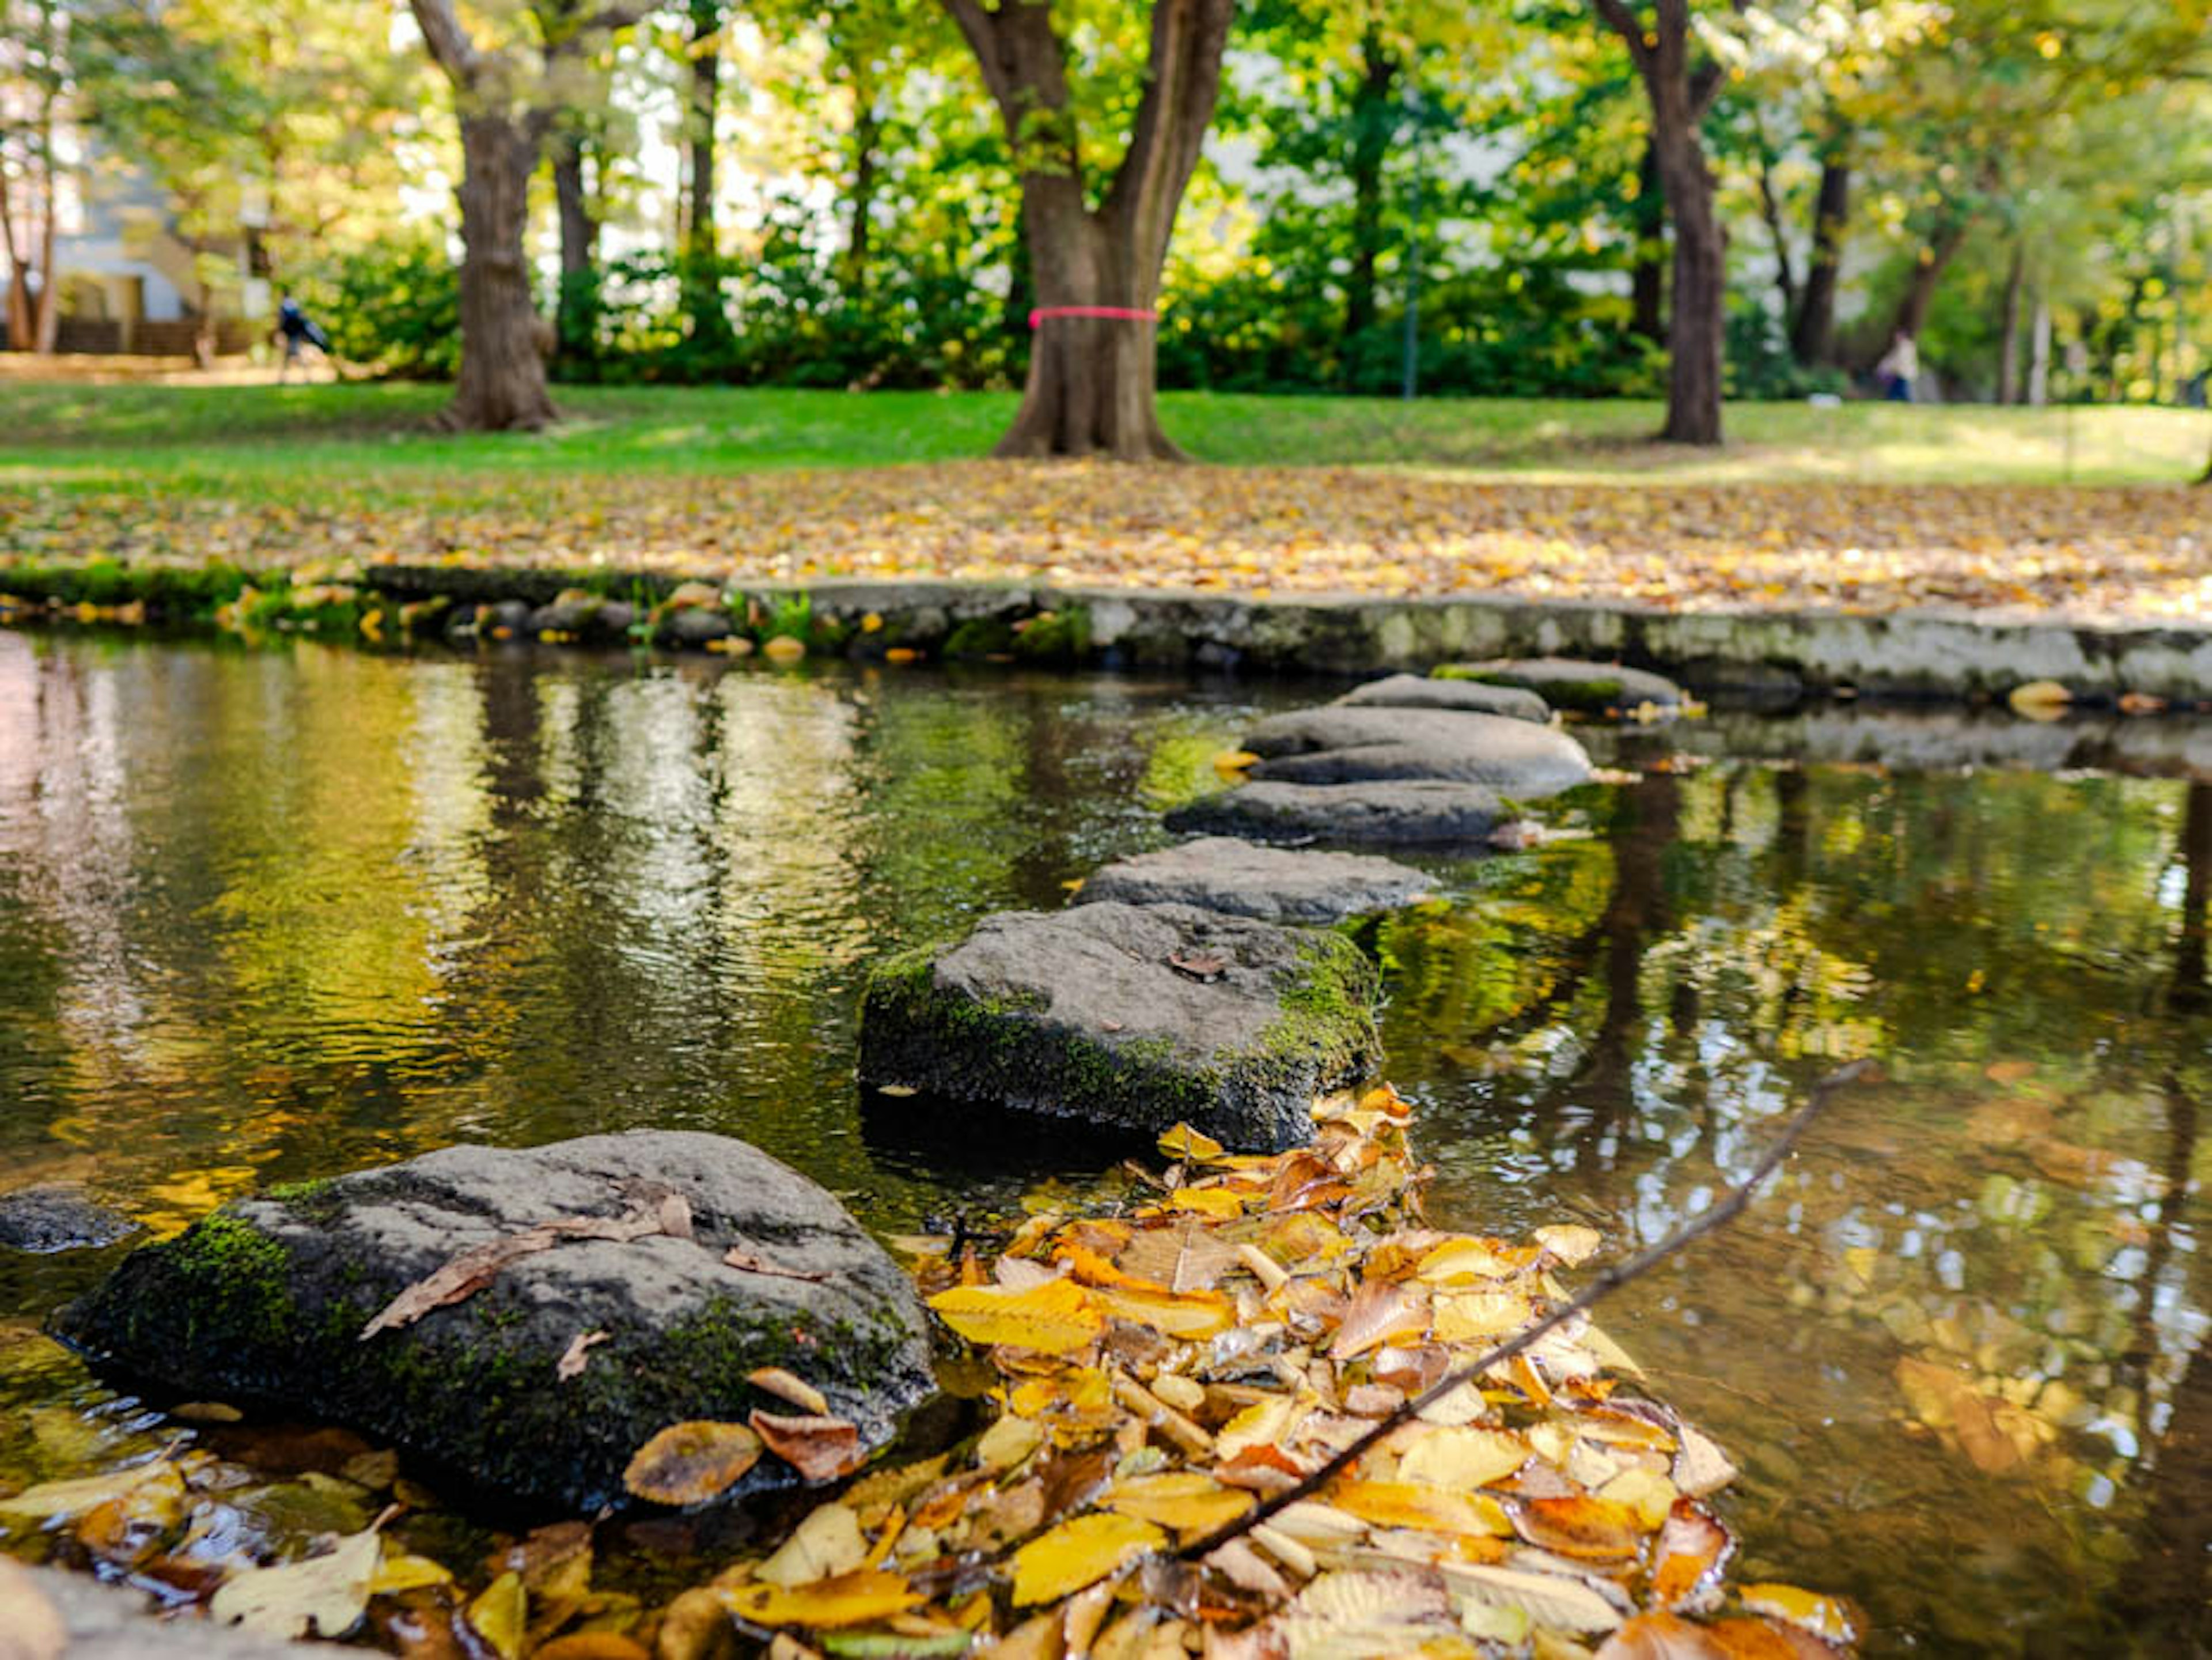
[(1091, 385), (2038, 351), (1813, 332), (867, 134), (1680, 93)]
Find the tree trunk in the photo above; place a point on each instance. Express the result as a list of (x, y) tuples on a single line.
[(1374, 123), (1770, 207), (1813, 335), (19, 327), (2015, 290), (1920, 288), (1647, 277), (702, 249), (1679, 93), (502, 380), (1091, 379), (868, 132), (576, 316), (47, 321), (2039, 351), (1091, 385)]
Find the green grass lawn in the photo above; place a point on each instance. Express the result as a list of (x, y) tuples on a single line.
[(263, 441)]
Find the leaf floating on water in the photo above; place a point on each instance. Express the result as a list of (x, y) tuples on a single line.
[(1832, 1619), (157, 1483), (577, 1354), (850, 1599), (820, 1448), (31, 1627), (826, 1544), (2040, 700), (1053, 1318), (1691, 1549), (1571, 1242), (1433, 1510), (1548, 1599), (500, 1613), (1184, 1143), (1463, 1458), (324, 1594), (1186, 1500), (1661, 1636), (788, 1386), (1380, 1313), (1078, 1553), (691, 1463)]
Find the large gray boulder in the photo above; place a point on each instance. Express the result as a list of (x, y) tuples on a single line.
[(1413, 812), (1134, 1017), (1336, 744), (1244, 878), (263, 1304), (1569, 682), (1415, 691)]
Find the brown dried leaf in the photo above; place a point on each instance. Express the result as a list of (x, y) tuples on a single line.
[(819, 1447), (575, 1356), (691, 1463)]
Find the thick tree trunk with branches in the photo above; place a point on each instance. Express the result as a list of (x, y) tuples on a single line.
[(1091, 382), (508, 109), (1680, 90)]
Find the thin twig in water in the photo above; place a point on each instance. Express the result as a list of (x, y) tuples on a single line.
[(1608, 1281)]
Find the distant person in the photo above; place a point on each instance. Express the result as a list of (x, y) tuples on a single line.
[(1898, 368), (298, 331)]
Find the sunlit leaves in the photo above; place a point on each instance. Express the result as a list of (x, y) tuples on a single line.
[(1056, 1317)]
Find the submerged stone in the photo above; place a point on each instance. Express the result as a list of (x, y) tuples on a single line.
[(1415, 691), (1132, 1016), (1412, 812), (1244, 878), (55, 1216), (263, 1305), (1336, 744), (1567, 683)]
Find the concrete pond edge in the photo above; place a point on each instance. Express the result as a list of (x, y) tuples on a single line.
[(1933, 653)]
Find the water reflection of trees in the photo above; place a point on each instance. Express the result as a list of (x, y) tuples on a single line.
[(2029, 1234)]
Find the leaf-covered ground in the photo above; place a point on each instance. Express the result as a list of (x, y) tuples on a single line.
[(2144, 554)]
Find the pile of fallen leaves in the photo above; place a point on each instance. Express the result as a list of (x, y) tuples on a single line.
[(2140, 553), (1160, 1371), (1155, 1369)]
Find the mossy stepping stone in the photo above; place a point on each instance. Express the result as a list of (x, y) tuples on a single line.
[(263, 1305), (1414, 691), (1567, 682), (1246, 878), (1432, 813), (1128, 1017), (1341, 744)]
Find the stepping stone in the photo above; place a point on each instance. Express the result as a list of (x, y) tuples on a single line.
[(1243, 878), (1415, 691), (263, 1305), (1567, 683), (1131, 1017), (1335, 745), (1413, 812), (54, 1216)]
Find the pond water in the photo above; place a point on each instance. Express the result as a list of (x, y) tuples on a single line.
[(272, 915)]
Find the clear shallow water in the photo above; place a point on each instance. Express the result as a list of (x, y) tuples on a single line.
[(275, 914)]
